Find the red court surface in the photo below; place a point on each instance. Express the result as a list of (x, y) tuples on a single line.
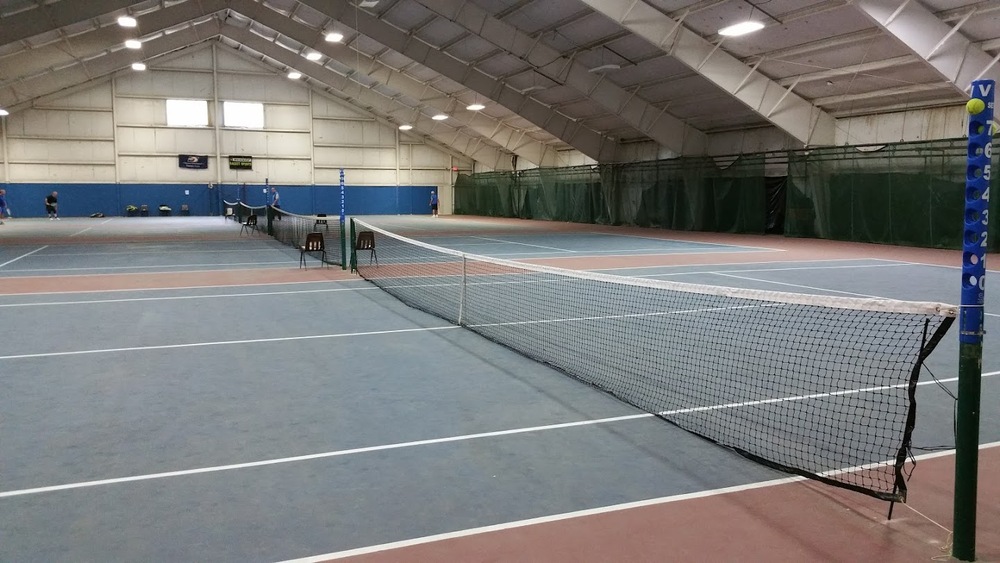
[(791, 521)]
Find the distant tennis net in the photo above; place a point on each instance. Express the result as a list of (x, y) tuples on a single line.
[(806, 384), (291, 229)]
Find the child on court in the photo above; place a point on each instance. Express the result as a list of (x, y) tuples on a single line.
[(52, 205), (4, 210)]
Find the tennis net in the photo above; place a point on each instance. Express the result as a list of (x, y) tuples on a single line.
[(291, 229), (812, 385), (239, 211)]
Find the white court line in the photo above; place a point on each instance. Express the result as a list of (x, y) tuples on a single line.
[(127, 274), (131, 252), (523, 244), (729, 275), (735, 247), (179, 288), (22, 256), (669, 274), (798, 285), (181, 297), (226, 342), (89, 268), (90, 227), (729, 264), (337, 453), (588, 512), (432, 441)]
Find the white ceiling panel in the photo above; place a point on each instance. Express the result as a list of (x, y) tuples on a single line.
[(801, 40)]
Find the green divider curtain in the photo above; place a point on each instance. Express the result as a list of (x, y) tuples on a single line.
[(909, 194), (903, 193), (684, 194)]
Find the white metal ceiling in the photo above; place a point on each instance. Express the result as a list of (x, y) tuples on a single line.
[(668, 76)]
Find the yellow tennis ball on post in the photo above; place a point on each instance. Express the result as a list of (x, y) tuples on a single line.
[(975, 106)]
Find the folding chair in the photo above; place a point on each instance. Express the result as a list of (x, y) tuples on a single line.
[(321, 222), (229, 214), (314, 243), (185, 210), (366, 241), (144, 210), (249, 225)]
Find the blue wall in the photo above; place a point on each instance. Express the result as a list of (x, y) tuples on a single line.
[(83, 200)]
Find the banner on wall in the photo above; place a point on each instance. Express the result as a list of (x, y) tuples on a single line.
[(237, 162), (194, 161)]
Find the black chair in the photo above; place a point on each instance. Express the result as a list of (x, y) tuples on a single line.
[(314, 243), (321, 222), (249, 225), (185, 210), (366, 241), (143, 210), (230, 214)]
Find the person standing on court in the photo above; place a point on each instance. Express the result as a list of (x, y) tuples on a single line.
[(52, 205), (276, 202), (434, 204), (4, 212)]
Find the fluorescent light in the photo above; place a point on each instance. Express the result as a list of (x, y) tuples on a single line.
[(602, 68), (314, 56), (741, 28), (133, 44), (127, 21), (440, 117), (368, 3), (532, 89), (294, 75), (475, 107), (405, 127), (334, 37), (138, 66), (4, 112)]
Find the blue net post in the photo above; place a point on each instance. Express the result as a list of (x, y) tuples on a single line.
[(970, 369), (343, 217)]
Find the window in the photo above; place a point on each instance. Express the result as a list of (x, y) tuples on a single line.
[(187, 113), (243, 114)]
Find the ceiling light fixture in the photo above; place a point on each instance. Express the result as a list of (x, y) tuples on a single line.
[(4, 112), (405, 127), (127, 21), (741, 28), (334, 37), (314, 56), (138, 66), (133, 44), (440, 117), (534, 88), (294, 75), (475, 107), (368, 3)]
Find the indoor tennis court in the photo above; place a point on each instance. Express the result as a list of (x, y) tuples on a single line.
[(161, 409)]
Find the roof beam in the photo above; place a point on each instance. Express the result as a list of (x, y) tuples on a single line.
[(47, 17), (851, 70), (22, 93), (952, 55), (789, 112), (507, 137), (653, 122), (369, 100), (586, 140)]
